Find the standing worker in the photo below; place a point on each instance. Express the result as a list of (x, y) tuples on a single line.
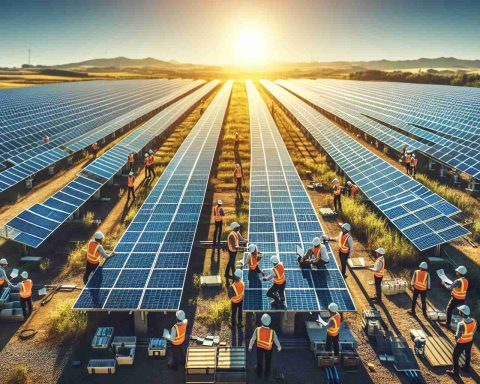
[(408, 160), (421, 284), (95, 252), (316, 256), (277, 290), (145, 163), (130, 162), (464, 337), (95, 149), (235, 293), (46, 140), (378, 272), (131, 186), (333, 329), (233, 244), (238, 177), (254, 257), (265, 338), (218, 214), (345, 246), (353, 190), (337, 192), (26, 295), (404, 150), (177, 338), (4, 281), (151, 164), (458, 290), (413, 165)]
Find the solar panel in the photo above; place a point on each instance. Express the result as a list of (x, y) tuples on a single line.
[(396, 195), (152, 256), (281, 217), (32, 230)]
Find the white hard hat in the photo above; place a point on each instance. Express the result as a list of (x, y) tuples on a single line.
[(335, 181), (146, 154), (333, 307), (423, 265), (380, 251), (346, 227), (349, 183), (3, 262), (238, 273), (24, 275), (238, 165), (130, 174), (465, 309), (266, 319), (180, 315), (219, 202), (252, 248), (234, 225), (274, 260), (150, 151), (99, 236), (316, 241), (413, 155), (461, 269)]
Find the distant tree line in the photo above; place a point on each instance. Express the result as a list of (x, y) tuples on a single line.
[(430, 76)]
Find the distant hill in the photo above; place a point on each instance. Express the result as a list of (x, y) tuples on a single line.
[(118, 62)]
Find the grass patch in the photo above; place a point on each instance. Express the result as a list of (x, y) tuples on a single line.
[(19, 375), (67, 324), (216, 312), (75, 260)]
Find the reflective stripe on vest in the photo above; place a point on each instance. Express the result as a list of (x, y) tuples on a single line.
[(408, 159), (130, 158), (93, 256), (264, 338), (131, 180), (333, 331), (316, 252), (279, 271), (414, 162), (181, 331), (238, 288), (420, 281), (94, 146), (26, 289), (468, 331), (382, 270), (238, 173), (235, 237), (336, 189), (216, 213), (252, 262), (343, 243), (461, 292)]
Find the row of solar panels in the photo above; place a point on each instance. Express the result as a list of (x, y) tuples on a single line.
[(448, 136), (422, 216), (281, 218), (149, 267), (32, 229)]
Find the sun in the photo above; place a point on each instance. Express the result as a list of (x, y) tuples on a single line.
[(251, 46)]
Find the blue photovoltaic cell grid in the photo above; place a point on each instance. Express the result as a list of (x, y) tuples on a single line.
[(409, 205), (152, 256), (32, 230), (282, 217)]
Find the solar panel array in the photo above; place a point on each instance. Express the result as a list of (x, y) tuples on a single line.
[(34, 225), (148, 271), (419, 214), (76, 127), (282, 217), (443, 121)]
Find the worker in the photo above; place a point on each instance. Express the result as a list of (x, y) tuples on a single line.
[(130, 162), (233, 244), (46, 140), (25, 287), (316, 256), (264, 337), (464, 337), (378, 272), (353, 190), (95, 149), (95, 252), (238, 177), (218, 214), (151, 164), (421, 284), (337, 191), (177, 338), (235, 293), (254, 257), (4, 281), (408, 160), (413, 165), (345, 246), (404, 150), (237, 139), (277, 290), (333, 329), (131, 186), (145, 165), (458, 290)]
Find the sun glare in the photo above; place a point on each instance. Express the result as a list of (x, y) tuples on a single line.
[(250, 47)]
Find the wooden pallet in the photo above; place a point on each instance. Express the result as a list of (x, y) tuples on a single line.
[(439, 352)]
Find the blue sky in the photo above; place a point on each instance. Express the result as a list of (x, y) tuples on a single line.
[(207, 31)]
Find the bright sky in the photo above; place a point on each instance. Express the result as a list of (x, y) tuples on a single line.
[(237, 32)]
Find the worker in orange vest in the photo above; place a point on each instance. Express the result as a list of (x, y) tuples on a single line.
[(177, 337), (351, 190), (146, 165), (378, 272), (151, 164), (254, 257), (238, 177), (458, 289), (46, 140), (413, 165), (131, 186), (421, 285), (95, 252), (26, 295), (95, 149), (233, 244), (345, 246), (130, 162), (277, 290), (464, 337), (235, 293), (218, 214), (333, 329), (4, 281), (337, 191), (315, 256), (408, 160), (264, 337)]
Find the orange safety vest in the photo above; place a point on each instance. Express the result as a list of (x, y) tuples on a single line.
[(93, 256), (408, 158), (150, 160), (333, 331), (264, 338), (461, 293), (252, 262), (26, 289), (468, 331), (421, 280), (279, 271), (382, 270), (238, 288), (354, 190), (316, 252), (94, 146), (414, 162), (343, 243), (181, 331), (238, 172), (2, 281), (131, 180), (336, 189), (216, 213), (235, 237), (130, 158)]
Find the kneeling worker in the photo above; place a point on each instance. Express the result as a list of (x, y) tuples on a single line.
[(235, 293), (26, 295), (316, 256), (277, 290), (177, 338), (421, 284), (254, 258), (95, 252)]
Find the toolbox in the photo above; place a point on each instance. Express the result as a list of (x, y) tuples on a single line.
[(157, 348), (101, 366), (128, 341)]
